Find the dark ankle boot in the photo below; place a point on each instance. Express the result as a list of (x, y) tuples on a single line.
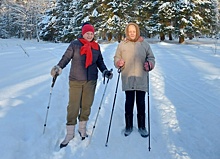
[(141, 125), (129, 124)]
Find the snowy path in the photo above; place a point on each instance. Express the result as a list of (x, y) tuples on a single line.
[(187, 100), (184, 102)]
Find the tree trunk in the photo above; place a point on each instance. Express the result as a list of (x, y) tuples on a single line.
[(103, 35), (119, 37), (109, 36), (170, 36), (162, 37), (190, 36), (181, 39)]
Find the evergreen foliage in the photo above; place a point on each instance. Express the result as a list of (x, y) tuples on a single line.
[(61, 20)]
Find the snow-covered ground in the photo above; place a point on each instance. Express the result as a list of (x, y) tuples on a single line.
[(184, 105)]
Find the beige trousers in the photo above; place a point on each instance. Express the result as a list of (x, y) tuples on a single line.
[(81, 96)]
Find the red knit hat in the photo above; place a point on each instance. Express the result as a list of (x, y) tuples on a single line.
[(86, 28)]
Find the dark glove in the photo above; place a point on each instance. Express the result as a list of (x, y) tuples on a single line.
[(107, 74), (56, 70)]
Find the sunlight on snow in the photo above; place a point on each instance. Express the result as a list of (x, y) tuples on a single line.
[(178, 152), (203, 66), (167, 109), (5, 103), (167, 112), (14, 91)]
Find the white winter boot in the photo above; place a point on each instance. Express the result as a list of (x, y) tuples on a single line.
[(70, 133), (82, 129)]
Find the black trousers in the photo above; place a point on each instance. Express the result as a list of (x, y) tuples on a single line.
[(140, 102)]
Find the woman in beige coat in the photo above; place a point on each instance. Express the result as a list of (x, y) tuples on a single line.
[(135, 59)]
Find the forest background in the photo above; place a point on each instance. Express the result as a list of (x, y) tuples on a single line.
[(61, 20)]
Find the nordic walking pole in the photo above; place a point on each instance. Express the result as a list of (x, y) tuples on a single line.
[(119, 71), (148, 100), (53, 82), (98, 112)]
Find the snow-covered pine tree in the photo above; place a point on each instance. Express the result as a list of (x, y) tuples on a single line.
[(125, 12), (4, 21), (195, 17), (59, 22), (102, 19), (115, 21), (119, 13), (208, 13), (63, 20), (142, 14), (166, 13), (83, 13), (47, 25), (153, 20), (181, 20), (67, 28)]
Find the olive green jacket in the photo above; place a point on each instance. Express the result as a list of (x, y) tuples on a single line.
[(133, 74)]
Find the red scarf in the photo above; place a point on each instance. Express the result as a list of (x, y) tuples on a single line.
[(87, 50)]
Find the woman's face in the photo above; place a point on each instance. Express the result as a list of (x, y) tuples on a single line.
[(132, 32), (88, 36)]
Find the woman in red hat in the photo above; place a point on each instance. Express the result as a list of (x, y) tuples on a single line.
[(86, 58)]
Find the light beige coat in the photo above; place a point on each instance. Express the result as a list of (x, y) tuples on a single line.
[(135, 54)]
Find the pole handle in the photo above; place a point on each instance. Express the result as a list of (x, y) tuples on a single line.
[(108, 78), (54, 79), (119, 69)]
